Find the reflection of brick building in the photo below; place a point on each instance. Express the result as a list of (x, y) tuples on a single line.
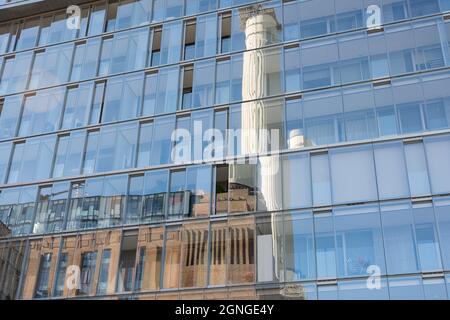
[(11, 258), (4, 231)]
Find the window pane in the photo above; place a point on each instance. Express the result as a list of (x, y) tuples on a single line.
[(145, 144), (399, 242), (76, 110), (417, 169), (204, 84), (321, 184), (171, 42), (296, 181), (442, 211), (162, 145), (299, 247), (206, 35), (390, 165), (359, 240), (9, 116), (437, 153), (325, 246), (198, 186), (353, 175)]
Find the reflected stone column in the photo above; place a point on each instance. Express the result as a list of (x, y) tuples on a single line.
[(260, 27)]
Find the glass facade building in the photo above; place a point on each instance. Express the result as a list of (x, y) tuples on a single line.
[(315, 160)]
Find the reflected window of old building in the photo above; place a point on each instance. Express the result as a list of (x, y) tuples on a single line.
[(155, 195), (172, 258), (194, 261), (178, 196), (42, 283), (60, 277), (11, 259), (87, 272), (241, 255), (51, 209), (127, 264), (103, 276), (149, 264)]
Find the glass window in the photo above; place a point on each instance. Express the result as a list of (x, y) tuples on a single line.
[(90, 153), (172, 258), (325, 246), (134, 199), (51, 208), (51, 66), (171, 42), (155, 195), (299, 247), (97, 19), (166, 99), (149, 265), (5, 153), (321, 183), (126, 52), (354, 57), (150, 90), (316, 20), (32, 160), (268, 248), (198, 186), (437, 154), (437, 112), (22, 212), (242, 187), (97, 103), (194, 255), (359, 113), (28, 34), (60, 281), (204, 84), (15, 73), (42, 282), (132, 13), (319, 63), (178, 196), (294, 124), (162, 145), (296, 181), (359, 240), (322, 113), (69, 154), (103, 277), (5, 36), (434, 289), (241, 241), (114, 198), (399, 242), (292, 73), (358, 290), (42, 112), (392, 180), (10, 110), (77, 106), (145, 144), (57, 31), (417, 169), (291, 20), (87, 272), (237, 65), (85, 59), (223, 76), (200, 6), (353, 174), (123, 98), (201, 123), (406, 288), (442, 212), (206, 34), (386, 117), (117, 147), (427, 238)]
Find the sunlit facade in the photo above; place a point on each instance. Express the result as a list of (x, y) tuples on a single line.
[(346, 197)]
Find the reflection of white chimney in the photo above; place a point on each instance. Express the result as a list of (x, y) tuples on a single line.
[(260, 27), (296, 139)]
